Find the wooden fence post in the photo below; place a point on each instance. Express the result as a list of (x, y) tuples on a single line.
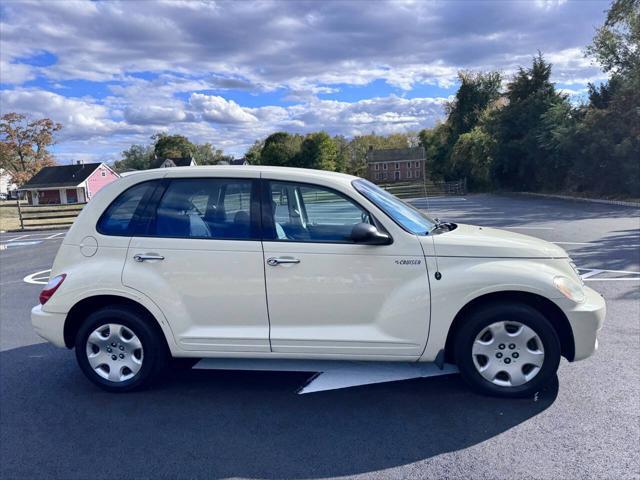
[(20, 213)]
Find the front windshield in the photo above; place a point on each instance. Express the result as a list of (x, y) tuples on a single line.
[(408, 217)]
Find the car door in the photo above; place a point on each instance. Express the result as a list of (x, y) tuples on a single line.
[(200, 260), (329, 297)]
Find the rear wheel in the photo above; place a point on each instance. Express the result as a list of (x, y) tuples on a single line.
[(507, 350), (118, 350)]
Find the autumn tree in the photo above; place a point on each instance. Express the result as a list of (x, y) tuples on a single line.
[(24, 143)]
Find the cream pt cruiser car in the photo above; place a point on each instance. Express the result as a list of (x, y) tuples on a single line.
[(268, 262)]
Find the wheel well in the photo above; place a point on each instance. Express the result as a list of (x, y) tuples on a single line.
[(85, 307), (550, 310)]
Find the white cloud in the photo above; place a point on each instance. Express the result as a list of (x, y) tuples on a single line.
[(153, 115), (82, 119), (15, 73), (216, 109), (294, 44)]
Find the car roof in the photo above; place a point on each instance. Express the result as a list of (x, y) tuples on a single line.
[(266, 171)]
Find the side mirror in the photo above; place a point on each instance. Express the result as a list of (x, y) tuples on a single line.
[(367, 234)]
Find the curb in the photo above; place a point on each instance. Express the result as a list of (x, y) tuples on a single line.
[(582, 199)]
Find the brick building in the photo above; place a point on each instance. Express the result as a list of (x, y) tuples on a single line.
[(396, 165)]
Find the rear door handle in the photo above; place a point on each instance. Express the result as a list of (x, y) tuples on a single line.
[(273, 261), (141, 257)]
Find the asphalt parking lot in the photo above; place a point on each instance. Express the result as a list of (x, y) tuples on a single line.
[(208, 424)]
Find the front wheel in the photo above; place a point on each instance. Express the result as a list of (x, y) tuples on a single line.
[(118, 350), (507, 350)]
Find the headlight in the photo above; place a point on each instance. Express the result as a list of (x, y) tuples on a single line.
[(569, 288)]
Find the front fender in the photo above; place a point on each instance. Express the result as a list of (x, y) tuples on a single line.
[(465, 279)]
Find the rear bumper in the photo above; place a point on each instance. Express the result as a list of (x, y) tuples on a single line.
[(49, 326), (586, 320)]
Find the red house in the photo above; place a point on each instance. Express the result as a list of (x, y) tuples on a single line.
[(63, 184)]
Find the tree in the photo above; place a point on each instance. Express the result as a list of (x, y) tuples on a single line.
[(616, 43), (606, 139), (472, 158), (281, 149), (318, 151), (172, 146), (520, 161), (24, 143), (254, 154), (136, 157), (476, 92), (206, 154), (435, 142), (343, 155)]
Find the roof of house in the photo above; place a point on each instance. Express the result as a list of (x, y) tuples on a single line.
[(61, 176), (177, 161), (234, 161), (395, 154)]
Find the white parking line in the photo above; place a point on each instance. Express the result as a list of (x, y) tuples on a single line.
[(631, 279), (529, 228), (17, 238), (38, 278), (575, 243), (592, 272), (54, 235)]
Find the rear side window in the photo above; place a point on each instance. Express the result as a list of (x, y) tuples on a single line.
[(214, 208), (122, 216)]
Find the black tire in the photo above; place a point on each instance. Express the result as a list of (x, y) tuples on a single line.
[(154, 347), (486, 315)]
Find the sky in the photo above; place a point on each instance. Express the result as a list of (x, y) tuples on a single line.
[(229, 73)]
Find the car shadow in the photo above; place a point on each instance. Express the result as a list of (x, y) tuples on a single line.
[(213, 424)]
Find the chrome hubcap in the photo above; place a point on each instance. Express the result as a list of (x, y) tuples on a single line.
[(114, 352), (508, 353)]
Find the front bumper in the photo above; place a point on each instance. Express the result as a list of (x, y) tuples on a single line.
[(586, 320), (49, 326)]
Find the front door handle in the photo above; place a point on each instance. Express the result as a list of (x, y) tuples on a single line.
[(141, 257), (273, 261)]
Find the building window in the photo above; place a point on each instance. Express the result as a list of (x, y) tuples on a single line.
[(397, 166), (418, 165), (377, 166), (396, 175), (103, 173), (384, 175), (409, 174), (377, 176), (384, 166)]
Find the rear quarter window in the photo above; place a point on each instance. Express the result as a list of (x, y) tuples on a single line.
[(123, 215)]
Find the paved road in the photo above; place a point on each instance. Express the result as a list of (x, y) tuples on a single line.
[(205, 424)]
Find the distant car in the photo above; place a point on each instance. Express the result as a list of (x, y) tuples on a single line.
[(268, 262), (3, 196)]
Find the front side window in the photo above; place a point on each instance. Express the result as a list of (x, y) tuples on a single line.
[(214, 208), (309, 213), (121, 216), (409, 218)]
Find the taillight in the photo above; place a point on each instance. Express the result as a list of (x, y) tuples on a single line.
[(51, 288)]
